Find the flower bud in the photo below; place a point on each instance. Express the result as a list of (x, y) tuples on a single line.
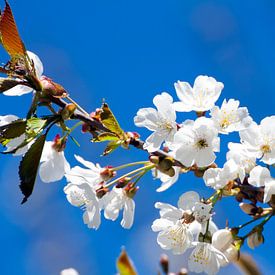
[(255, 239), (247, 208), (222, 239), (154, 159), (232, 253), (68, 111), (164, 263), (51, 88)]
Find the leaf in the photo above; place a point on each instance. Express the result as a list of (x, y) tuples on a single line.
[(125, 265), (111, 147), (109, 121), (35, 126), (9, 34), (29, 166), (7, 83), (12, 130), (105, 137)]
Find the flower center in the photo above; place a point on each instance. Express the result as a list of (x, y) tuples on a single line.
[(202, 143), (177, 235), (266, 148)]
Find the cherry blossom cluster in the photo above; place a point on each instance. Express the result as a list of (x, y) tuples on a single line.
[(172, 149)]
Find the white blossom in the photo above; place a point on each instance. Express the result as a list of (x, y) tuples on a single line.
[(21, 89), (53, 163), (201, 97), (195, 143), (175, 232), (260, 176), (259, 140), (218, 178), (205, 258), (230, 117), (90, 175), (242, 158), (161, 121), (117, 200)]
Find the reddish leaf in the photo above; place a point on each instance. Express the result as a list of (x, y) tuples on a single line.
[(9, 34)]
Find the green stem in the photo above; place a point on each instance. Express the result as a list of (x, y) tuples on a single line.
[(130, 164), (255, 219), (147, 168)]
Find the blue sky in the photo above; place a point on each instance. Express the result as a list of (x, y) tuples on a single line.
[(127, 52)]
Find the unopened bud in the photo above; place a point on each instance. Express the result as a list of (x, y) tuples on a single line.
[(164, 263), (68, 111), (51, 88), (222, 239), (107, 173), (247, 208), (101, 192), (255, 239)]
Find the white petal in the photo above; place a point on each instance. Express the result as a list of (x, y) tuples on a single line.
[(37, 63), (18, 90), (188, 200), (128, 213)]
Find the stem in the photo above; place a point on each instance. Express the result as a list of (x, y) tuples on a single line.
[(255, 219), (129, 174), (215, 197), (130, 164)]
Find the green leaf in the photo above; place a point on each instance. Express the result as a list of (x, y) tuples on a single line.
[(125, 265), (105, 137), (29, 166), (7, 83), (12, 130), (35, 126), (111, 147), (110, 122)]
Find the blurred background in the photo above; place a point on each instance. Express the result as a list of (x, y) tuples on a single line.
[(127, 52)]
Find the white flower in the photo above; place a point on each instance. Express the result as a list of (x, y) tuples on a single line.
[(161, 121), (83, 195), (205, 258), (245, 161), (259, 140), (196, 142), (117, 200), (21, 89), (79, 175), (260, 176), (201, 97), (230, 117), (223, 241), (69, 271), (15, 142), (176, 231), (166, 180), (53, 163), (218, 178)]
